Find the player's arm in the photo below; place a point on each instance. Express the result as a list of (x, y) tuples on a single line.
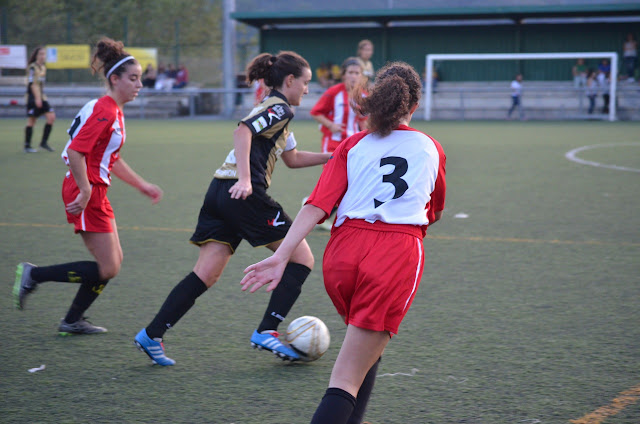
[(270, 270), (328, 123), (242, 149), (123, 171), (78, 169), (301, 159)]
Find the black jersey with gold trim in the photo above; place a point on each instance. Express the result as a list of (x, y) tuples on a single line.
[(36, 76), (269, 125)]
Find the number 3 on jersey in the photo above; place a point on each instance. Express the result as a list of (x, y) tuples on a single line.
[(400, 167)]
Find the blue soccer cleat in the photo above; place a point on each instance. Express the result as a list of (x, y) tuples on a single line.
[(153, 348), (270, 342)]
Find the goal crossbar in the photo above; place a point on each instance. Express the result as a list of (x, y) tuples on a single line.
[(612, 56)]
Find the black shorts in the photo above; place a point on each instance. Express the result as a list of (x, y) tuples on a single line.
[(258, 219), (34, 111)]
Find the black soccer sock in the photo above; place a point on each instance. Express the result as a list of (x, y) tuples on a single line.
[(284, 296), (87, 293), (180, 300), (71, 272), (28, 132), (335, 408), (45, 134), (363, 395)]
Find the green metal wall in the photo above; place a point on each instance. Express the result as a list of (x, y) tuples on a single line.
[(411, 44)]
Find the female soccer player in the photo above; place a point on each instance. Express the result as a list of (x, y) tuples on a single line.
[(37, 103), (334, 110), (237, 207), (92, 154), (336, 115), (390, 185)]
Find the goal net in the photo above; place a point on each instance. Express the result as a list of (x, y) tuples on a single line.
[(443, 102)]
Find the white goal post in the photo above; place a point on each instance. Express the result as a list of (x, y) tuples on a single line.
[(612, 56)]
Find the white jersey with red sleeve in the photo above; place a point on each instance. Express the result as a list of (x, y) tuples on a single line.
[(97, 132), (336, 106), (397, 179)]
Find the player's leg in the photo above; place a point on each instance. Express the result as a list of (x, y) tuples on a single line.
[(282, 300), (106, 249), (51, 117), (28, 130), (359, 353), (212, 259)]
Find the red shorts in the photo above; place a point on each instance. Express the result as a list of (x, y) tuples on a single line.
[(372, 274), (97, 216), (328, 144)]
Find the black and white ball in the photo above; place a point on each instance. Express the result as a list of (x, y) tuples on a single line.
[(309, 337)]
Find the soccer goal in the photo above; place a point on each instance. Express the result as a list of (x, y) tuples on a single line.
[(612, 56)]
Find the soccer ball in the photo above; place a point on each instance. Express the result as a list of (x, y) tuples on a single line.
[(309, 337)]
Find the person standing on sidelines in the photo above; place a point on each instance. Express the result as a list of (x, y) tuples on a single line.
[(92, 155), (37, 103), (516, 97), (237, 207), (390, 185), (365, 52)]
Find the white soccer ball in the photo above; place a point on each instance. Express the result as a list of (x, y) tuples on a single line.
[(309, 337)]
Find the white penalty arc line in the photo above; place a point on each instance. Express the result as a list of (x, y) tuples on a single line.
[(571, 155)]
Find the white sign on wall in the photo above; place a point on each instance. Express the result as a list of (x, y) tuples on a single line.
[(13, 56)]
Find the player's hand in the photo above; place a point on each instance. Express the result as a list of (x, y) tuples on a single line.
[(38, 103), (79, 204), (337, 128), (152, 191), (268, 271), (241, 190)]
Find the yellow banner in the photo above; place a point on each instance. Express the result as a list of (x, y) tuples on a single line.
[(144, 56), (68, 56)]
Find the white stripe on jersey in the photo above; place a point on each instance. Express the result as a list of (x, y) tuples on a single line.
[(114, 144), (341, 105), (418, 269), (403, 165)]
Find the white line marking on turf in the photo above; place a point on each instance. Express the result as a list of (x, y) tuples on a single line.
[(40, 368), (454, 379), (413, 372), (571, 155)]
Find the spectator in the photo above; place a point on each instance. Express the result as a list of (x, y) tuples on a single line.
[(605, 67), (516, 94), (182, 77), (336, 74), (579, 72), (591, 89), (162, 79), (323, 75), (603, 84), (365, 52), (630, 55), (149, 76)]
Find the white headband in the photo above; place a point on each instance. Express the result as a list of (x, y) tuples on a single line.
[(114, 67)]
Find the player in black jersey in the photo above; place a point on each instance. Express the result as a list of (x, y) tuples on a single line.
[(37, 103), (237, 207)]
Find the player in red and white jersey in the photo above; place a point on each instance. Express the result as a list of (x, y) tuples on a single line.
[(390, 185), (334, 110), (92, 154)]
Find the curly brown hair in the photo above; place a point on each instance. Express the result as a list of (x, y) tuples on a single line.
[(396, 90), (274, 69), (108, 53)]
